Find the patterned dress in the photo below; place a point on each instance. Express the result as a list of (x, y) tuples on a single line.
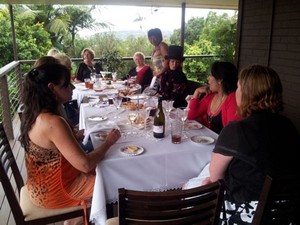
[(53, 182)]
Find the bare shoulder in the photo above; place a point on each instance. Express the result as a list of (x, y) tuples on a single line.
[(51, 121), (164, 48)]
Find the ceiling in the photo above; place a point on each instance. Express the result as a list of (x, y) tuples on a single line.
[(210, 4)]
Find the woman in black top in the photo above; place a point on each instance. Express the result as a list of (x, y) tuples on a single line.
[(263, 142), (88, 66)]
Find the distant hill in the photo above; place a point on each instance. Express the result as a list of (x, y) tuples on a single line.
[(126, 33)]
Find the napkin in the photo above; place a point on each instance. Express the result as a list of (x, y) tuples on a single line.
[(98, 127), (197, 181)]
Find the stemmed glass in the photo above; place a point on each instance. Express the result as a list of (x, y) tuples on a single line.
[(117, 100), (132, 117), (169, 106), (182, 114)]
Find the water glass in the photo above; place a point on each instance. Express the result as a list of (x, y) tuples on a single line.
[(87, 82), (176, 131)]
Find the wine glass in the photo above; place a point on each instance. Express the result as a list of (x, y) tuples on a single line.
[(117, 100), (182, 114), (169, 106), (114, 76), (132, 117)]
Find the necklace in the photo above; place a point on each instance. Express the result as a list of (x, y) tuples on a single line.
[(210, 114)]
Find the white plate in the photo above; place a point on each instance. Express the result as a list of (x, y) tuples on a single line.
[(192, 125), (125, 150), (102, 134), (135, 97), (97, 118), (82, 88), (204, 140)]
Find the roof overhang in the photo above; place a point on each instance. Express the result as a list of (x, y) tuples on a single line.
[(210, 4)]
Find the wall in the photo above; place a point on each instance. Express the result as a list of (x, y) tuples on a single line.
[(270, 35)]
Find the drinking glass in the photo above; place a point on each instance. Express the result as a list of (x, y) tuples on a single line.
[(132, 117), (117, 100), (176, 131), (114, 76), (182, 114), (169, 106)]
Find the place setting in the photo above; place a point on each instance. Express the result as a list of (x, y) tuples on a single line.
[(202, 140), (132, 150)]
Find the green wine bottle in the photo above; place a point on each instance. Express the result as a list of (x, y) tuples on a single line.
[(159, 121)]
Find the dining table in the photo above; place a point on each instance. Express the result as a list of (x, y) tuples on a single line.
[(158, 165), (100, 88)]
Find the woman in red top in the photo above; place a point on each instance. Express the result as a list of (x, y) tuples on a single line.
[(141, 71), (215, 106)]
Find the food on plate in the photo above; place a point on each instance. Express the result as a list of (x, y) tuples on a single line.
[(131, 105), (192, 125), (125, 92), (103, 136), (109, 87), (132, 148)]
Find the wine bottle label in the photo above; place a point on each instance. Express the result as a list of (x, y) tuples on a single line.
[(158, 129)]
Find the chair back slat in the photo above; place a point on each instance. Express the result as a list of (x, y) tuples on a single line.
[(200, 205), (8, 166), (279, 201)]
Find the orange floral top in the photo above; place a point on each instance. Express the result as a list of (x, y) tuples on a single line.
[(53, 182)]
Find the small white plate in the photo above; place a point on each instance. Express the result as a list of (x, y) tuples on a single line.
[(135, 97), (82, 88), (127, 151), (102, 134), (192, 125), (204, 140), (97, 118)]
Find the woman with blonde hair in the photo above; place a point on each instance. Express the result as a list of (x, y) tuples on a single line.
[(88, 65), (141, 71)]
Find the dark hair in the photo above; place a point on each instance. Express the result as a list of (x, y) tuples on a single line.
[(261, 89), (37, 97), (45, 59), (227, 73), (155, 32)]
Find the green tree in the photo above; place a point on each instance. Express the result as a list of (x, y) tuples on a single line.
[(193, 30), (32, 40), (79, 18), (221, 31), (196, 69), (6, 46)]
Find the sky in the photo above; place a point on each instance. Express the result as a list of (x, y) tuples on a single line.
[(123, 17)]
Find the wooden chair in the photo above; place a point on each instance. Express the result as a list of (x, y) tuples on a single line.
[(200, 205), (23, 210), (279, 202)]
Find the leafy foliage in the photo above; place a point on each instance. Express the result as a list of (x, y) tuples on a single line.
[(214, 35), (32, 40), (6, 38)]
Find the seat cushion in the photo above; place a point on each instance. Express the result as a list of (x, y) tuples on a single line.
[(112, 221), (32, 212)]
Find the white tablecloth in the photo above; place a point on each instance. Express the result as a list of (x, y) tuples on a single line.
[(162, 166), (81, 91)]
